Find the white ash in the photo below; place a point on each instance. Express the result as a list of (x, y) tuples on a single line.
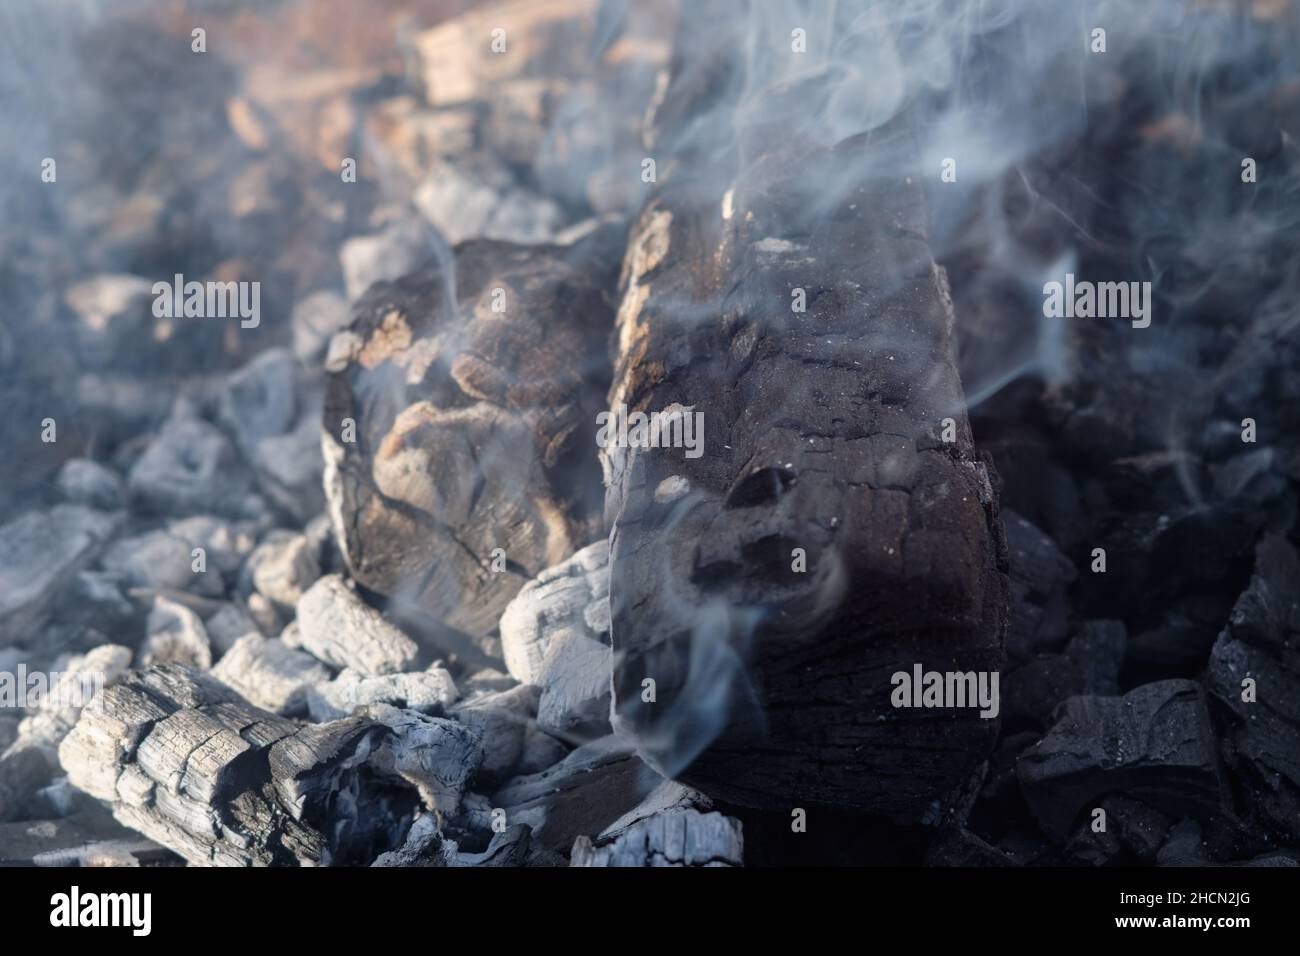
[(429, 691), (501, 720), (337, 627), (555, 603), (435, 755), (270, 675), (175, 634), (282, 567)]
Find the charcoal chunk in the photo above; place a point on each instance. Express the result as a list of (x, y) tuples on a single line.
[(339, 628), (1154, 744), (39, 553), (1261, 643), (581, 795), (271, 675), (681, 837)]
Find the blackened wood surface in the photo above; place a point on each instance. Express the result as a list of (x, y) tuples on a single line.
[(822, 432), (474, 427)]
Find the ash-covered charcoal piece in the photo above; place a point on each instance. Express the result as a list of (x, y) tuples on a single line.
[(87, 482), (435, 755), (1253, 674), (555, 634), (480, 200), (272, 408), (813, 533), (1155, 744), (589, 790), (680, 837), (185, 761), (502, 720), (227, 624), (429, 691), (189, 468), (40, 553), (161, 561), (30, 761), (459, 426), (559, 601), (336, 626), (175, 634), (269, 674), (282, 567)]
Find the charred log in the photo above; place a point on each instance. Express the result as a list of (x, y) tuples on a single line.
[(185, 761), (834, 525), (473, 397)]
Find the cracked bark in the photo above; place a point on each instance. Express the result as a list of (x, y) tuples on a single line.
[(184, 760), (822, 432)]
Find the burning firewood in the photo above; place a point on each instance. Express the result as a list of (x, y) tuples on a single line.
[(458, 428), (837, 525)]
